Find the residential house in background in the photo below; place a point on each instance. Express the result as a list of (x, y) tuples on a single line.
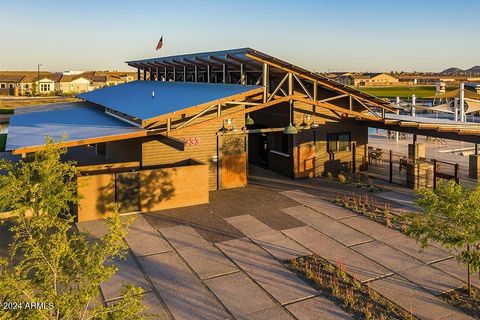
[(18, 83), (368, 79), (73, 83)]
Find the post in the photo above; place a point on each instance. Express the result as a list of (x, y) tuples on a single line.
[(354, 160), (208, 73), (414, 100), (434, 174), (391, 167), (462, 102), (242, 74), (144, 74), (457, 179), (455, 109), (224, 73), (265, 82), (138, 73)]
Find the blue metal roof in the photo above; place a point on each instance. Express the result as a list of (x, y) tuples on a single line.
[(135, 98), (79, 121)]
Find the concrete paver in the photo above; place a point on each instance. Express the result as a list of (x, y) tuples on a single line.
[(388, 257), (452, 267), (332, 228), (206, 260), (275, 313), (184, 237), (280, 246), (128, 273), (270, 274), (431, 279), (411, 247), (154, 307), (239, 294), (321, 205), (413, 298), (372, 228), (143, 239), (248, 225), (317, 308), (183, 293), (356, 264), (275, 242)]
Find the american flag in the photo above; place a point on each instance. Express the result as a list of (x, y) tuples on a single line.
[(160, 44)]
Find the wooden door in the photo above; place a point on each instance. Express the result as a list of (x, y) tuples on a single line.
[(233, 162), (304, 157)]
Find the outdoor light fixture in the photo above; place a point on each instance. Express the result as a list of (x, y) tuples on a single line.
[(305, 125), (314, 124), (249, 121), (223, 129), (290, 129)]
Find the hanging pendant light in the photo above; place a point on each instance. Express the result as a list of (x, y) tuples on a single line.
[(304, 124), (290, 129), (249, 121), (314, 124)]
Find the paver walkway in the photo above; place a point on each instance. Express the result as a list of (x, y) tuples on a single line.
[(223, 260), (410, 280)]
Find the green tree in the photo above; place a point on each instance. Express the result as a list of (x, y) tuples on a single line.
[(34, 89), (50, 261), (451, 217)]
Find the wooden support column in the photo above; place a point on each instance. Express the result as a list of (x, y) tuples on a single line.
[(208, 73), (138, 73), (196, 73), (158, 74), (243, 78), (184, 73), (219, 110), (169, 125), (174, 73), (144, 74), (224, 73), (166, 74), (266, 82)]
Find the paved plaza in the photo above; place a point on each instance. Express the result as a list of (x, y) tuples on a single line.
[(223, 260)]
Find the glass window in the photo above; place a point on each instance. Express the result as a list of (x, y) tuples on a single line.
[(338, 141), (280, 142), (2, 85), (344, 142)]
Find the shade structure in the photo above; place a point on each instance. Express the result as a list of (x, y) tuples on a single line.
[(71, 122), (455, 94)]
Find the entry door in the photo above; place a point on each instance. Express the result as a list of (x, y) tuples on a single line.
[(233, 162), (304, 165), (127, 191)]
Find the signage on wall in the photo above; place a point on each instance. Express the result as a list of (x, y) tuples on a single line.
[(190, 142)]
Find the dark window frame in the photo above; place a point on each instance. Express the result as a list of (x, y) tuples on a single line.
[(334, 143)]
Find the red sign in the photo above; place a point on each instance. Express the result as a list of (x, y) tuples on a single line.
[(190, 142)]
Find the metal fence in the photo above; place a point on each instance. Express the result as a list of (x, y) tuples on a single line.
[(424, 172)]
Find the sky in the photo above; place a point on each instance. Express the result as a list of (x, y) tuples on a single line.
[(321, 35)]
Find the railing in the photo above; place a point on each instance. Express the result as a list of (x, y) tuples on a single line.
[(397, 168)]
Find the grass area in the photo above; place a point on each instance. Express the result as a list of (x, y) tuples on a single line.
[(345, 291), (402, 91), (7, 104)]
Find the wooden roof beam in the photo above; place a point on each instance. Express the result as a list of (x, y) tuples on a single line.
[(341, 110)]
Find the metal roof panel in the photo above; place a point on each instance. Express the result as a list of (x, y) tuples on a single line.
[(136, 99), (79, 121)]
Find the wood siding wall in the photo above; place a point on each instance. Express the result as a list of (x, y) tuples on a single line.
[(157, 153)]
